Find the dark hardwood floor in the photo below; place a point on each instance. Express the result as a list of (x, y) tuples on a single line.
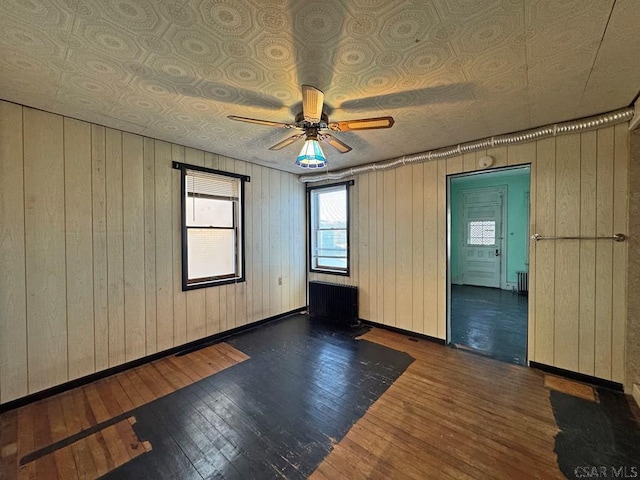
[(490, 321), (301, 398)]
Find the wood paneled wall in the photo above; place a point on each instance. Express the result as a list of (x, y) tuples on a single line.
[(90, 254), (577, 287), (633, 269)]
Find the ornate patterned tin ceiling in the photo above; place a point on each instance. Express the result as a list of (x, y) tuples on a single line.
[(448, 71)]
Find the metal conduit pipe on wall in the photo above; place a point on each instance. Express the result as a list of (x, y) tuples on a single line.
[(565, 128)]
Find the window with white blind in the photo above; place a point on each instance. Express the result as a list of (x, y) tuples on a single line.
[(329, 228), (212, 221)]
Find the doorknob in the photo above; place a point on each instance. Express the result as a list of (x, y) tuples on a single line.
[(497, 252)]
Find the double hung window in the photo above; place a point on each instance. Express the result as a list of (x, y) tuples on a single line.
[(329, 228), (212, 233)]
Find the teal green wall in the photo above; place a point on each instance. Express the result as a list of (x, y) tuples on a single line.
[(517, 183)]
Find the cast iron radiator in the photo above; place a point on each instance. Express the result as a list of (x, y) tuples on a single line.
[(335, 302), (523, 282)]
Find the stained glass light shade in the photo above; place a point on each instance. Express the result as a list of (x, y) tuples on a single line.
[(311, 155)]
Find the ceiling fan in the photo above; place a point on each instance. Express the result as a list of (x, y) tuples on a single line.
[(313, 124)]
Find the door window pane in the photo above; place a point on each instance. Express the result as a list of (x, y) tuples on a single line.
[(481, 233)]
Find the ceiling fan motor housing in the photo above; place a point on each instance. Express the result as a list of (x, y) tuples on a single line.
[(300, 122)]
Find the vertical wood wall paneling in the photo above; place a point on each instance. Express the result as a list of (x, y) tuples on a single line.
[(298, 226), (442, 249), (604, 253), (91, 248), (513, 154), (110, 143), (79, 247), (249, 215), (179, 297), (389, 251), (275, 235), (380, 278), (469, 162), (163, 245), (431, 252), (364, 288), (13, 295), (620, 251), (45, 249), (285, 213), (545, 251), (372, 308), (124, 184), (418, 246), (587, 297), (567, 295), (149, 212), (255, 243), (404, 248), (296, 222), (354, 254), (455, 165), (196, 314), (300, 243), (266, 248), (134, 257), (567, 271), (101, 318)]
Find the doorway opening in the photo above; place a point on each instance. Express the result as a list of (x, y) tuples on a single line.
[(488, 262)]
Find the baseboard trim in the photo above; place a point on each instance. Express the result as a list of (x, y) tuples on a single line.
[(405, 332), (179, 350), (581, 377)]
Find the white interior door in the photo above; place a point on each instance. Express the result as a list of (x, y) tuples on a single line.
[(481, 231)]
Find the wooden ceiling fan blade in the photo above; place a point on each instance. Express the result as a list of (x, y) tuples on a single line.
[(335, 143), (286, 142), (362, 124), (267, 123), (312, 102)]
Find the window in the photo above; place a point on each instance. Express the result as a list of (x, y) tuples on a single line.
[(212, 221), (329, 228), (481, 233)]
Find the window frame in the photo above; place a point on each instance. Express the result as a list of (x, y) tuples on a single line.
[(312, 229), (238, 227)]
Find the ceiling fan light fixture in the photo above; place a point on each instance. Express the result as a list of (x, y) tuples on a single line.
[(311, 155)]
